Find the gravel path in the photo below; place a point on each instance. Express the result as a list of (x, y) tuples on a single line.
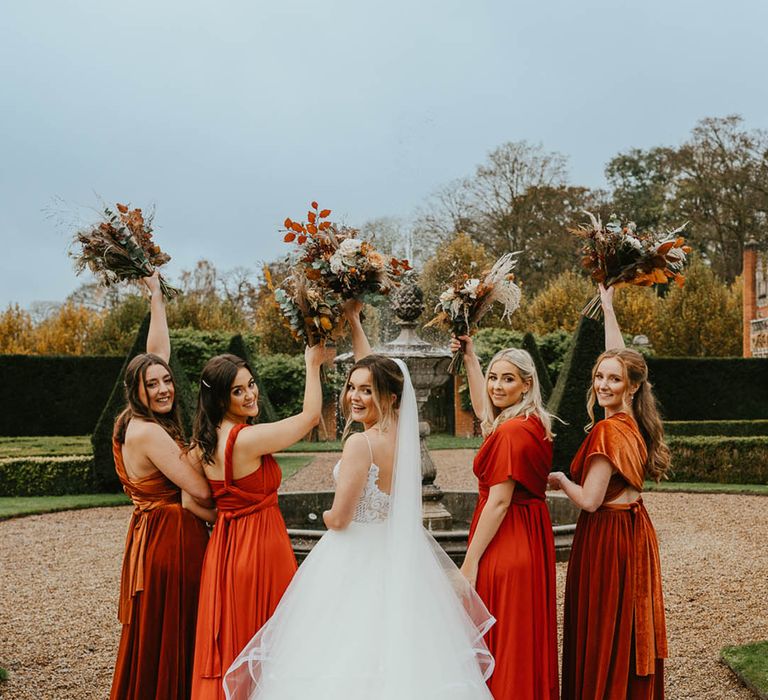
[(59, 578)]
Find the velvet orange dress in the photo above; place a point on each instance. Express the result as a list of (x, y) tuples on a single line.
[(248, 565), (158, 590), (614, 639), (516, 574)]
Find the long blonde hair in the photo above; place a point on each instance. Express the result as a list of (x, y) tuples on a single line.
[(531, 403), (643, 405)]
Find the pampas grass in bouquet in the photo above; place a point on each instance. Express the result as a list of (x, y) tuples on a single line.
[(467, 299)]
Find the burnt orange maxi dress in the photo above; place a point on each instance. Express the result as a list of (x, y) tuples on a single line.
[(248, 565), (159, 588), (516, 574), (614, 639)]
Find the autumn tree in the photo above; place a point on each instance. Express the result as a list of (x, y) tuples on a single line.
[(723, 190), (717, 181), (203, 305), (459, 254), (517, 200), (643, 187), (701, 319), (16, 331), (637, 310), (559, 304), (269, 323), (66, 331)]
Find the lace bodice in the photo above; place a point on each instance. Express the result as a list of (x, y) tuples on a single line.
[(373, 506)]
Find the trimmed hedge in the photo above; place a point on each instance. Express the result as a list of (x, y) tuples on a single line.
[(50, 395), (710, 388), (46, 476), (105, 477), (568, 400), (545, 385), (732, 428), (723, 460)]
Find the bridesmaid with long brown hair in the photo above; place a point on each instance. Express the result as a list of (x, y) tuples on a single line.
[(511, 554), (249, 562), (166, 541), (614, 639)]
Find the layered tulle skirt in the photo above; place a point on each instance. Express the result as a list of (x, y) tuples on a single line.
[(359, 622)]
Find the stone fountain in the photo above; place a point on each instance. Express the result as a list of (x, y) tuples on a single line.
[(446, 514)]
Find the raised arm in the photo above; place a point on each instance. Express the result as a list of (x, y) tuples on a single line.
[(613, 337), (266, 438), (360, 345), (158, 340), (475, 377)]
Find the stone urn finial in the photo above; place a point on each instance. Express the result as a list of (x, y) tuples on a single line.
[(408, 301)]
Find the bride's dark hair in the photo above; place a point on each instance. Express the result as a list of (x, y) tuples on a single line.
[(386, 382), (213, 401)]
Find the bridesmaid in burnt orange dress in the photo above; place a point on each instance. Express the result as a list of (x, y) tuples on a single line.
[(166, 542), (511, 555), (249, 562), (614, 639)]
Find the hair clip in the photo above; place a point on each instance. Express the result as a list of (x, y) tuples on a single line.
[(205, 384)]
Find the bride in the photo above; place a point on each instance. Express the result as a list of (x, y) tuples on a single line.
[(377, 610)]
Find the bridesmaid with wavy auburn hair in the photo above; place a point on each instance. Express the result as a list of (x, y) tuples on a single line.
[(511, 554), (614, 639), (165, 544)]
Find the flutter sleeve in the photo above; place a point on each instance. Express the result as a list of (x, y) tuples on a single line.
[(621, 444), (518, 451)]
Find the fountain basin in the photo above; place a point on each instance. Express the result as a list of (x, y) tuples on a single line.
[(303, 513)]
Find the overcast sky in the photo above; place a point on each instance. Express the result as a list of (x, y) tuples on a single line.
[(231, 115)]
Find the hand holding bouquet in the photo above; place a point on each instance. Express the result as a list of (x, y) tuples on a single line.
[(617, 255), (467, 299), (120, 248)]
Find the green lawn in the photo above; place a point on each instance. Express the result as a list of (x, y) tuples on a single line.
[(290, 464), (750, 663), (707, 487), (13, 507), (45, 446)]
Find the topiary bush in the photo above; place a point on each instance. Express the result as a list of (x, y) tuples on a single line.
[(46, 476), (568, 400)]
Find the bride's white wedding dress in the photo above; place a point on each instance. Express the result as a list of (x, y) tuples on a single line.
[(377, 611)]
